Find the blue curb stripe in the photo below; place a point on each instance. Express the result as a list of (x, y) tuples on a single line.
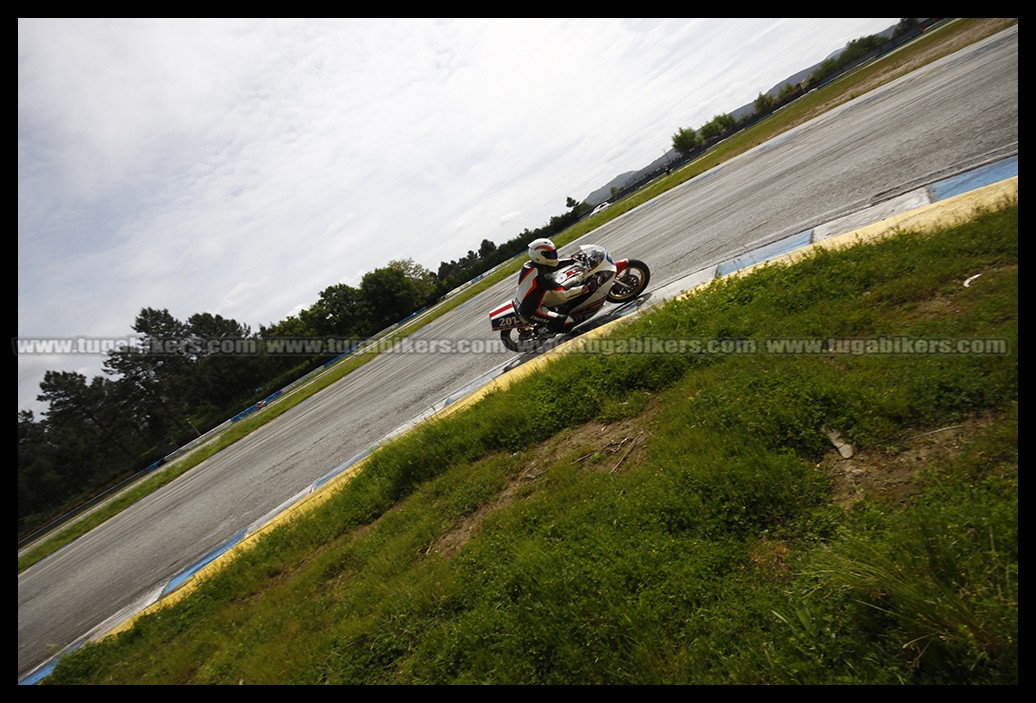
[(768, 251), (179, 580), (977, 178), (48, 669), (352, 462)]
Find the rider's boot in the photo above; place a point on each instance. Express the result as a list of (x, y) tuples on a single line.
[(560, 325)]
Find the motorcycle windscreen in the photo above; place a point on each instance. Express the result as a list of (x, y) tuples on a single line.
[(593, 255)]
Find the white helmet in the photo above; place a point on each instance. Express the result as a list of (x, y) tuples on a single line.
[(543, 251)]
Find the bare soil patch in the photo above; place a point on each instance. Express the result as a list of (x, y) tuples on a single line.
[(596, 446), (892, 478)]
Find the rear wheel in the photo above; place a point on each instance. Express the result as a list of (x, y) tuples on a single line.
[(520, 339), (630, 283)]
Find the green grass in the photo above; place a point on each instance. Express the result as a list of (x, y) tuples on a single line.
[(884, 70), (667, 518)]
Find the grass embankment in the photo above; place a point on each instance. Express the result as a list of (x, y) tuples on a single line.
[(931, 46), (669, 518)]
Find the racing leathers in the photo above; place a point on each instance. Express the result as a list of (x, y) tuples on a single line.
[(538, 292)]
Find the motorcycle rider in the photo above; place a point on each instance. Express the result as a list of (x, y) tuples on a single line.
[(535, 286)]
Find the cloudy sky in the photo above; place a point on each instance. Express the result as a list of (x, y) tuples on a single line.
[(240, 166)]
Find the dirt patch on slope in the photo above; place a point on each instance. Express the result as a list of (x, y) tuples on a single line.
[(596, 446), (893, 477)]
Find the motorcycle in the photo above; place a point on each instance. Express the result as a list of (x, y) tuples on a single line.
[(611, 282)]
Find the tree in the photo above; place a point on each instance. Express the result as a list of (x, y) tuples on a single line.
[(447, 270), (686, 140), (205, 325), (73, 402), (87, 441), (422, 278), (289, 327), (39, 482), (571, 202), (391, 295), (488, 247), (66, 394), (764, 102), (905, 25), (787, 90), (226, 361), (157, 368), (49, 463), (582, 208), (717, 127), (341, 311)]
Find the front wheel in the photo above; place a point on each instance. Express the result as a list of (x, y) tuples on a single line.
[(520, 339), (630, 283)]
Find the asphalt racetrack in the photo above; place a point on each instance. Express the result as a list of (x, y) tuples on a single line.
[(947, 118)]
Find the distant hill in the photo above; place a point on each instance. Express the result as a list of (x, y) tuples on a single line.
[(631, 177)]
